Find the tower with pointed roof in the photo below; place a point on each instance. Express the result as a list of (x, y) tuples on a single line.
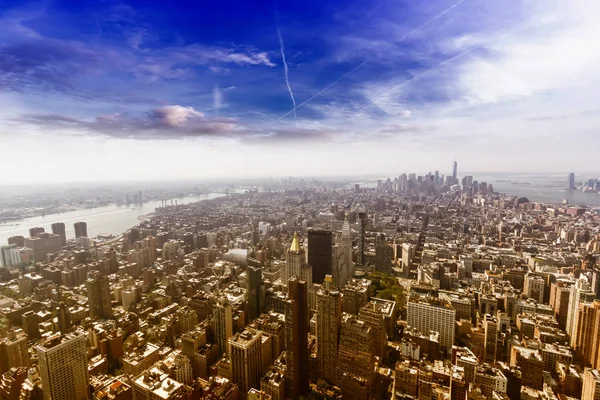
[(295, 264)]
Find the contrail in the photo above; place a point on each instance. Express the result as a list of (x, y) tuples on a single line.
[(403, 38), (285, 66), (440, 65)]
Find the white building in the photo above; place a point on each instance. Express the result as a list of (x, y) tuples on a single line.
[(430, 314)]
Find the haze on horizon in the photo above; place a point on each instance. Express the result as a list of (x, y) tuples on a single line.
[(121, 91)]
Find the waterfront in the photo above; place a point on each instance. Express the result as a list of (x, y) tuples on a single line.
[(545, 188), (113, 219)]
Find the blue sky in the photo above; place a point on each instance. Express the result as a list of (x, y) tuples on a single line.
[(157, 89)]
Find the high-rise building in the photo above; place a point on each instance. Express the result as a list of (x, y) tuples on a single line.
[(63, 367), (356, 362), (490, 325), (534, 287), (58, 228), (17, 240), (571, 181), (296, 338), (591, 385), (99, 295), (329, 318), (296, 265), (454, 172), (384, 253), (586, 339), (43, 244), (253, 292), (580, 293), (80, 229), (347, 246), (7, 255), (362, 226), (432, 314), (371, 314), (34, 232), (246, 359), (14, 351), (319, 253), (223, 323)]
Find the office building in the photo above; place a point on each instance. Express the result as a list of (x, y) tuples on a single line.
[(571, 181), (246, 359), (58, 228), (356, 362), (362, 226), (340, 270), (223, 323), (63, 367), (43, 244), (296, 265), (371, 314), (432, 314), (34, 232), (454, 172), (296, 338), (490, 380), (155, 384), (319, 253), (591, 385), (9, 255), (384, 254), (14, 351), (99, 295), (18, 240), (586, 340), (80, 229), (329, 318), (534, 287), (253, 292), (346, 243), (491, 331)]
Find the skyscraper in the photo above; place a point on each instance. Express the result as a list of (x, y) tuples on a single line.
[(246, 358), (329, 318), (347, 246), (432, 314), (253, 283), (454, 171), (356, 362), (80, 229), (296, 265), (362, 225), (63, 367), (13, 350), (58, 228), (99, 295), (319, 253), (571, 181), (223, 323), (591, 385), (296, 338), (34, 232)]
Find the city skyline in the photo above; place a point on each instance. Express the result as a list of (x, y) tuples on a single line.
[(234, 89)]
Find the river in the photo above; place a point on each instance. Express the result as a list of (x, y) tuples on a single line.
[(113, 219)]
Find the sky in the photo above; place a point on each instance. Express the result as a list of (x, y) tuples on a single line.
[(110, 90)]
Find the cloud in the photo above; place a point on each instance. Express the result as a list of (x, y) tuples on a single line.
[(44, 64), (168, 122)]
